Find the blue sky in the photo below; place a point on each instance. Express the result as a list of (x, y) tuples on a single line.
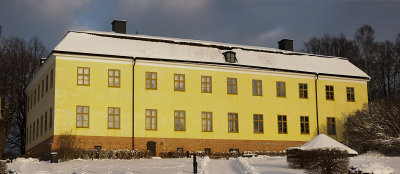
[(249, 22)]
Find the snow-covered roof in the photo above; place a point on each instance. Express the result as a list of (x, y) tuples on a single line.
[(323, 141), (116, 44)]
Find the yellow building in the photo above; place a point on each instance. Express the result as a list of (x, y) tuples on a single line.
[(121, 91)]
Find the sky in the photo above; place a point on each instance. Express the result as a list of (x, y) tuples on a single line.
[(248, 22)]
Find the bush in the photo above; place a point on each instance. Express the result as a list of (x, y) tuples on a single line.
[(68, 145), (3, 167), (318, 160), (376, 127)]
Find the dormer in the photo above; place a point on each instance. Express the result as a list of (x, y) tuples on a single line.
[(230, 57)]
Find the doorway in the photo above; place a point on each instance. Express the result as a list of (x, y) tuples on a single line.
[(151, 147)]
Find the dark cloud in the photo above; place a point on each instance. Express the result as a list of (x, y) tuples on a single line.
[(251, 22)]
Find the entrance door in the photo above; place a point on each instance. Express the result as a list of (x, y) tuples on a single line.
[(151, 147)]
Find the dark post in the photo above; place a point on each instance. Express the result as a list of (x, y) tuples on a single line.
[(53, 157), (194, 164), (187, 154)]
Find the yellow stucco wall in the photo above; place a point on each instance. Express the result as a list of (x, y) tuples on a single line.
[(166, 100), (98, 96), (41, 106)]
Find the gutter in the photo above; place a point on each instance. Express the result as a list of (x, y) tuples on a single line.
[(316, 101), (133, 102)]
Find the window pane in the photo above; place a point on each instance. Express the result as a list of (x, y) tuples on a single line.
[(148, 122), (203, 79), (148, 75), (116, 125), (261, 128), (255, 126), (154, 113), (116, 73), (182, 77), (236, 125), (116, 111), (80, 70), (85, 109), (204, 125), (86, 71), (79, 117), (176, 123), (79, 108), (154, 123), (110, 118), (79, 124), (85, 124), (182, 124), (85, 117), (110, 72), (209, 125), (153, 75), (110, 124)]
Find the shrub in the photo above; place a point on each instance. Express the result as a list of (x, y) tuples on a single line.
[(3, 167), (68, 145), (318, 160), (376, 127), (293, 157)]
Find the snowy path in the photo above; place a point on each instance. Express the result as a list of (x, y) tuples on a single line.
[(221, 166)]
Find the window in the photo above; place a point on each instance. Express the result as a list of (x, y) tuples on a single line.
[(230, 57), (151, 80), (31, 99), (233, 124), (282, 124), (257, 87), (38, 94), (350, 94), (47, 83), (179, 82), (37, 128), (51, 79), (303, 90), (206, 84), (113, 117), (113, 78), (35, 97), (83, 76), (41, 125), (304, 125), (30, 133), (27, 104), (45, 122), (232, 85), (329, 92), (207, 150), (281, 89), (179, 150), (151, 119), (206, 119), (331, 126), (33, 135), (258, 123), (82, 116), (51, 118), (42, 88), (232, 150), (180, 120)]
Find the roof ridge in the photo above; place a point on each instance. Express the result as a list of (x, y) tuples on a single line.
[(219, 45)]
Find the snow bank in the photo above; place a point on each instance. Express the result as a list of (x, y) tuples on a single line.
[(375, 168), (323, 141), (243, 166)]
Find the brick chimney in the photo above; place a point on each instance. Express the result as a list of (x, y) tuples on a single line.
[(286, 44), (119, 26)]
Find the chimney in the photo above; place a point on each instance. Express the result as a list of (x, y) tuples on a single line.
[(42, 60), (286, 44), (119, 26)]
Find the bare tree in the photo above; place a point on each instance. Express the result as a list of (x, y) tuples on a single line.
[(21, 61)]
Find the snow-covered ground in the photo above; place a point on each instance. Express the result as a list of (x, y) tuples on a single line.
[(261, 164)]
